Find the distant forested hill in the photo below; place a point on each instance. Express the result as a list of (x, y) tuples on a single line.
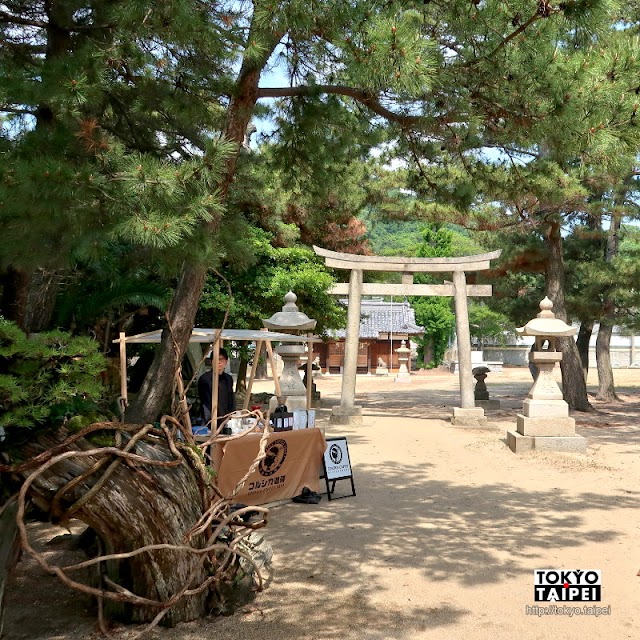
[(402, 238)]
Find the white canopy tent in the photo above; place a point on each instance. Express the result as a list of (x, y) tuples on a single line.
[(215, 337)]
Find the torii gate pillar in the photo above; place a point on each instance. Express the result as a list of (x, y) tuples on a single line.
[(467, 414), (347, 412)]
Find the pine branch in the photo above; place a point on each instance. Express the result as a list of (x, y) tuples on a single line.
[(523, 27), (544, 11), (363, 97), (8, 109), (8, 18)]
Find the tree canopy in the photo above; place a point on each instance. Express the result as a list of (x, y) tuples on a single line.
[(124, 122)]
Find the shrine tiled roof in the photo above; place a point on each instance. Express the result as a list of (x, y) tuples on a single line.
[(384, 317)]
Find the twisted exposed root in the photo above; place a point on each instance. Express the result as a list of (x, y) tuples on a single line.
[(224, 530)]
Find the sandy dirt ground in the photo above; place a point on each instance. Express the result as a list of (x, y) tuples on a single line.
[(441, 540)]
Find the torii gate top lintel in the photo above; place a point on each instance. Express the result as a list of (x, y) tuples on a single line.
[(339, 260)]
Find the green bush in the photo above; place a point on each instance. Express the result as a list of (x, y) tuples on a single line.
[(46, 379)]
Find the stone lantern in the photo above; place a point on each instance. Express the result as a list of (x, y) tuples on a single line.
[(544, 422), (290, 320), (403, 358)]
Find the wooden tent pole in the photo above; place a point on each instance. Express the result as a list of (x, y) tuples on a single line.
[(274, 371), (214, 384), (254, 368), (276, 380), (124, 401), (309, 372)]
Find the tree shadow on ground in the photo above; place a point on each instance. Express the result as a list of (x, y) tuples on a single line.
[(401, 520)]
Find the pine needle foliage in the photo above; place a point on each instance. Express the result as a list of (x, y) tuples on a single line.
[(45, 379), (111, 121)]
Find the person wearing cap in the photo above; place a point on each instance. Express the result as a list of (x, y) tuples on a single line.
[(226, 397)]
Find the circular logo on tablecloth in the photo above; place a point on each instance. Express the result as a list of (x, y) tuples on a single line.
[(335, 454), (276, 454)]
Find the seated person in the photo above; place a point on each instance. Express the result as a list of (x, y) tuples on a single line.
[(226, 397)]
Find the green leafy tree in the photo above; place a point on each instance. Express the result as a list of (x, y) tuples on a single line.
[(439, 321), (258, 289), (433, 313), (487, 325)]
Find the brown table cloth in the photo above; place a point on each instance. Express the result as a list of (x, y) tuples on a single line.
[(293, 462)]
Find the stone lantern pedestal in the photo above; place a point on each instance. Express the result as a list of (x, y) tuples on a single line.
[(291, 385), (544, 423)]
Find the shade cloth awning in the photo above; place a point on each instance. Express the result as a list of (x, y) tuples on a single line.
[(215, 337), (206, 335)]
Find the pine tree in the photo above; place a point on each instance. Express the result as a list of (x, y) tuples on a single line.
[(558, 107), (125, 120), (109, 135)]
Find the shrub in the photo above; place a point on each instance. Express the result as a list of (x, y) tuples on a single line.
[(45, 379)]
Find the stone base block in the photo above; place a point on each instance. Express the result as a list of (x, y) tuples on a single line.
[(292, 403), (523, 444), (533, 408), (488, 404), (553, 427), (519, 443), (346, 415), (473, 417), (382, 371), (574, 444)]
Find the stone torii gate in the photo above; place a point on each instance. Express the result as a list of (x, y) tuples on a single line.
[(347, 412)]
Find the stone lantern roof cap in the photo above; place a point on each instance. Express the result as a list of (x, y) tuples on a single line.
[(290, 318), (546, 324)]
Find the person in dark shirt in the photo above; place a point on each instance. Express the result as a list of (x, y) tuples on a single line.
[(226, 397)]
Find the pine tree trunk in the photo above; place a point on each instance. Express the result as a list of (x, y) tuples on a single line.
[(41, 301), (29, 298), (158, 382), (138, 506), (156, 388), (29, 313), (15, 293), (582, 342), (574, 386), (606, 387)]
